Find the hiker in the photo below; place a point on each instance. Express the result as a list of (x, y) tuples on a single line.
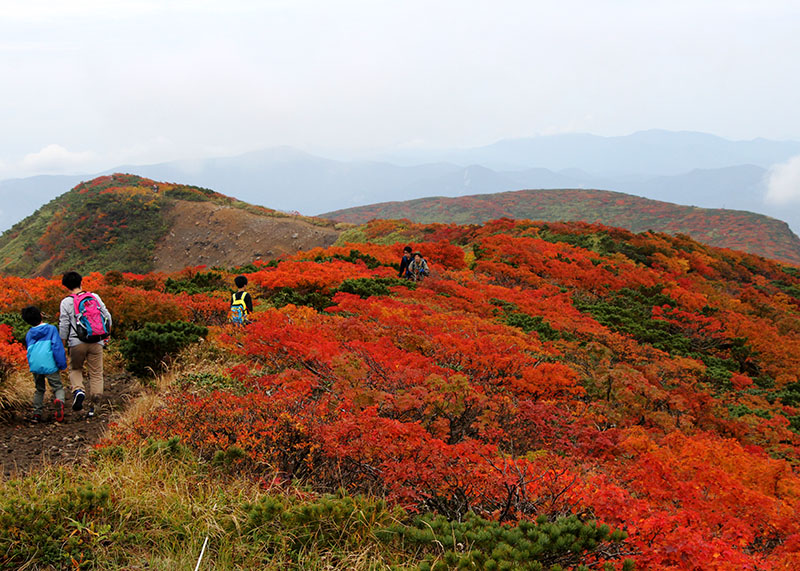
[(404, 261), (241, 302), (418, 268), (84, 324), (46, 358)]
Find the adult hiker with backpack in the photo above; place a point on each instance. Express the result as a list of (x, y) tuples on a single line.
[(418, 268), (84, 324), (241, 302), (404, 262)]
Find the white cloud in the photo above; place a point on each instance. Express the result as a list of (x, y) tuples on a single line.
[(783, 184), (149, 80), (55, 158)]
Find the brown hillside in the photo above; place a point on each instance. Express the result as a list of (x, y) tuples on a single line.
[(128, 223), (205, 233)]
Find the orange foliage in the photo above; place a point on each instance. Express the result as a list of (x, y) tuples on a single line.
[(516, 388)]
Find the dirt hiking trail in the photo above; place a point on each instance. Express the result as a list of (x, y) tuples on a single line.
[(25, 445)]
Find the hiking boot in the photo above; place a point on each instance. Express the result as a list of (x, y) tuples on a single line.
[(36, 418), (77, 399), (59, 414), (90, 412)]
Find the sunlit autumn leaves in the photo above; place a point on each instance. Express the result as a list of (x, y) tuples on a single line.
[(522, 379)]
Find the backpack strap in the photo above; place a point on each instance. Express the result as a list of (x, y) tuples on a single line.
[(74, 297)]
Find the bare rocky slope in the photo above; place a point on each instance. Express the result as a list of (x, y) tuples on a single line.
[(204, 233)]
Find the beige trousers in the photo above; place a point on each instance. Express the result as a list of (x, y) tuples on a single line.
[(90, 354)]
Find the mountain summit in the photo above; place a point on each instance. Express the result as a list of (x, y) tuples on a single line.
[(129, 223)]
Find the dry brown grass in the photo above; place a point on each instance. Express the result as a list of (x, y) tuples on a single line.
[(16, 391)]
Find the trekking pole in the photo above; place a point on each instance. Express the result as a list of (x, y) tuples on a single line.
[(202, 551), (205, 543)]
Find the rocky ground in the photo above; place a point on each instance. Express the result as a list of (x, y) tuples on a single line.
[(204, 233), (26, 445)]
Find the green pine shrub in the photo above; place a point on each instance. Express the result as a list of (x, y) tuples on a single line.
[(331, 523), (630, 311), (478, 543), (61, 523), (790, 394), (198, 283), (314, 298), (154, 346), (18, 326)]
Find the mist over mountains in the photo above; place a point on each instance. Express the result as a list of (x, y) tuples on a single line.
[(681, 167), (644, 153)]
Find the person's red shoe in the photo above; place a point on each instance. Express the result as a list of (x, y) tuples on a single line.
[(59, 414)]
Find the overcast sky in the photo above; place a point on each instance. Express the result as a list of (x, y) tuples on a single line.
[(91, 84)]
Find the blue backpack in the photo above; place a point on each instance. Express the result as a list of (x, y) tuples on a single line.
[(238, 309), (40, 357)]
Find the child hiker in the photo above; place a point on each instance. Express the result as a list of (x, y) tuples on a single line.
[(46, 358), (241, 302)]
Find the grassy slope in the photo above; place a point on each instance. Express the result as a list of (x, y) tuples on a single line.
[(753, 233)]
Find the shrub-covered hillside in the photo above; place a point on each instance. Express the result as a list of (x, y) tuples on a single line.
[(116, 222), (554, 395), (739, 230)]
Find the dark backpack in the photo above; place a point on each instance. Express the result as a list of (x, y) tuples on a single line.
[(92, 326)]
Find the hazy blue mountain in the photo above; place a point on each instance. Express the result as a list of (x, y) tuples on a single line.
[(740, 187), (651, 153), (458, 182), (288, 179)]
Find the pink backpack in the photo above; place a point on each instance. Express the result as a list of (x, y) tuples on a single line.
[(92, 326)]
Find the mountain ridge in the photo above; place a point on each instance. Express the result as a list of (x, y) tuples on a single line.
[(288, 179), (754, 233), (130, 223)]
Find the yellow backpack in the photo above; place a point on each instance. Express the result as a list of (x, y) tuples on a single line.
[(238, 308)]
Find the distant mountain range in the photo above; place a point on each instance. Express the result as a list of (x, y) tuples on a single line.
[(645, 153), (687, 168)]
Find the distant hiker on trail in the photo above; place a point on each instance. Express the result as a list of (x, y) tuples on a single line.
[(418, 268), (404, 262), (46, 358), (241, 302), (84, 324)]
